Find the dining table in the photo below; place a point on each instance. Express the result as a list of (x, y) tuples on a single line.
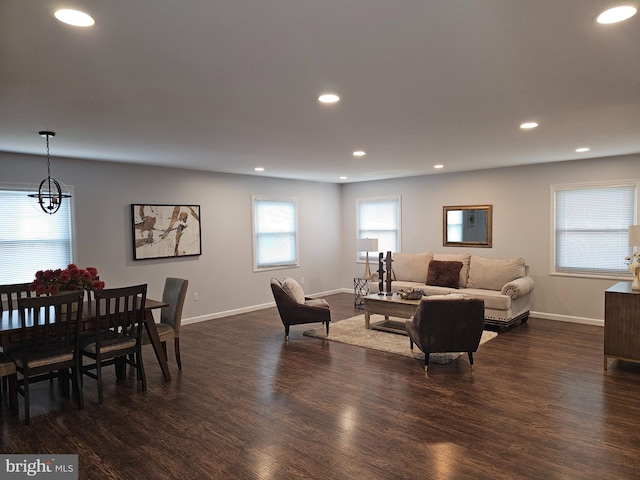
[(11, 326)]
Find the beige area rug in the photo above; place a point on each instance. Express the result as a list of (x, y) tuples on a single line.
[(352, 332)]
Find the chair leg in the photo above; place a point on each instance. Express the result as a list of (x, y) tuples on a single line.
[(426, 361), (470, 359), (13, 393), (140, 366), (25, 388), (411, 343), (327, 324), (99, 379), (176, 347), (77, 385), (286, 332)]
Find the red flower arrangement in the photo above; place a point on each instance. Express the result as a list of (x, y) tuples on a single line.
[(71, 278)]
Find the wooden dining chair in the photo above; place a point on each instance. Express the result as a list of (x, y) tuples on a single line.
[(9, 374), (175, 292), (9, 295), (117, 336), (49, 339)]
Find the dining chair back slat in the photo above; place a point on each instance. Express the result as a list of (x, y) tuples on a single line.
[(9, 295)]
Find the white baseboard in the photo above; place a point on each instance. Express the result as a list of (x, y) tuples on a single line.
[(253, 308), (567, 318)]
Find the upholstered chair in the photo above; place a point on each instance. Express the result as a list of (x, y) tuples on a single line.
[(295, 308), (175, 291), (447, 323)]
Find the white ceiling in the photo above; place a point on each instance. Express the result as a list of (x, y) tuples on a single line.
[(229, 85)]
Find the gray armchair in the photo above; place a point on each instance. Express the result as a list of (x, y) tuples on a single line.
[(447, 323), (295, 308)]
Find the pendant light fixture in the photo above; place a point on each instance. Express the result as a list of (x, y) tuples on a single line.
[(50, 192)]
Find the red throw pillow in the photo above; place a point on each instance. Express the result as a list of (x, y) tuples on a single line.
[(444, 274)]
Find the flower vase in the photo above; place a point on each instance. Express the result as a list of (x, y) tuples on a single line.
[(635, 285)]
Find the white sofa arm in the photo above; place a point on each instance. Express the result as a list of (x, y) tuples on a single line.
[(518, 287)]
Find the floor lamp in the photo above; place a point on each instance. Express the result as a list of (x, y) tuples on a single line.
[(367, 245)]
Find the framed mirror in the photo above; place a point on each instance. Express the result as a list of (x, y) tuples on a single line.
[(467, 226)]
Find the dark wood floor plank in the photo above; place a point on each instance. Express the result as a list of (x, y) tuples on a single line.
[(248, 405)]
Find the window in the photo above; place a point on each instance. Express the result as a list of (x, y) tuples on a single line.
[(590, 228), (275, 232), (31, 240), (379, 218)]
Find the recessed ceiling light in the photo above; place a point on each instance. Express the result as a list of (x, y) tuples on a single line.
[(616, 14), (259, 169), (528, 125), (343, 178), (359, 153), (582, 149), (438, 166), (74, 17), (329, 98)]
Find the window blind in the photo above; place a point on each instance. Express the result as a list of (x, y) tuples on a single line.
[(591, 228), (275, 232), (380, 218), (31, 240)]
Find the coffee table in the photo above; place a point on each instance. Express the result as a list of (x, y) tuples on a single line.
[(389, 306)]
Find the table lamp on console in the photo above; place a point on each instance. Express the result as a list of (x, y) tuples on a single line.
[(367, 245)]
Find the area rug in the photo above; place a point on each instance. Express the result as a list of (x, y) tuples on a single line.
[(352, 332)]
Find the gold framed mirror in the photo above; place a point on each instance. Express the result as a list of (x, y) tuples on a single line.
[(467, 226)]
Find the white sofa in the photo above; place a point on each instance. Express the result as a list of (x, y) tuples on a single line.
[(503, 284)]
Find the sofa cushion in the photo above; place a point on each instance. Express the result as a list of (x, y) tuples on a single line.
[(494, 273), (411, 267), (294, 289), (457, 257), (444, 273)]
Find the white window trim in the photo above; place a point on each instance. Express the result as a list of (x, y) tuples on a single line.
[(254, 244), (552, 241), (397, 198)]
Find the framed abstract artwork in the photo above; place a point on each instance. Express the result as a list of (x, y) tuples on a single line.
[(161, 231)]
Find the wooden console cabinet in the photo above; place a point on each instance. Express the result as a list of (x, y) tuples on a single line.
[(621, 323)]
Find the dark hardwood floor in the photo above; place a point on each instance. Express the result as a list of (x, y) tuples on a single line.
[(250, 406)]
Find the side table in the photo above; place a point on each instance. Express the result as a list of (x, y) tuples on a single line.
[(360, 290)]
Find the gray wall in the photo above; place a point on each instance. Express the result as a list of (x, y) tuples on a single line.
[(223, 275), (522, 213)]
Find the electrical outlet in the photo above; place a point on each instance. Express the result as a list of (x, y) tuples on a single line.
[(301, 280), (195, 296)]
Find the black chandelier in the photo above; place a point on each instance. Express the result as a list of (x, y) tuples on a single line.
[(50, 192)]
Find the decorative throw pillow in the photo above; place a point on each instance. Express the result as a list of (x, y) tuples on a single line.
[(444, 274), (294, 289), (465, 258)]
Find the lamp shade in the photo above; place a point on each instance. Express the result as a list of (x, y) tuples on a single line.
[(634, 236), (366, 245)]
